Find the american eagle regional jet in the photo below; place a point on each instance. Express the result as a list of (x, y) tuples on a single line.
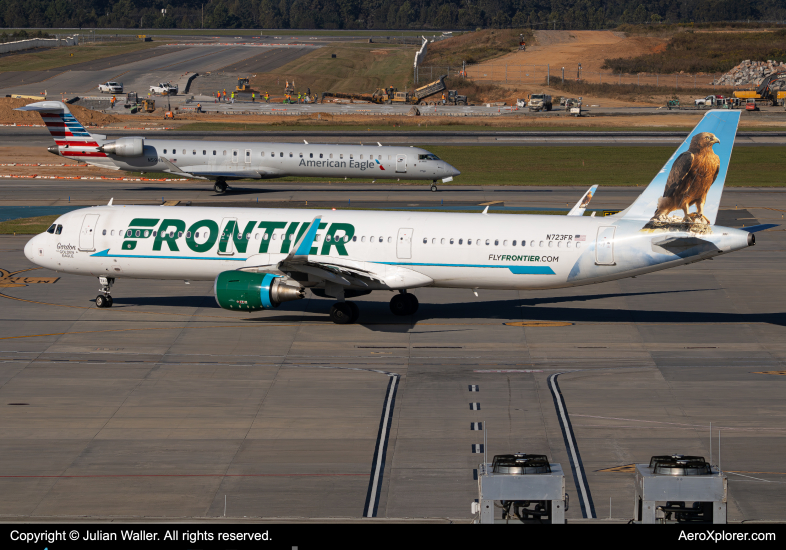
[(260, 258), (223, 161)]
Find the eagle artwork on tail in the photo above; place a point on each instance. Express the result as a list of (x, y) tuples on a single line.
[(690, 179)]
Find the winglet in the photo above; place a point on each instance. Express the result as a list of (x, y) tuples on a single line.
[(303, 247), (485, 210), (584, 201)]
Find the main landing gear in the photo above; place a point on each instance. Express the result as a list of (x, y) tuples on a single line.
[(404, 303), (105, 299), (434, 186), (220, 186), (344, 313)]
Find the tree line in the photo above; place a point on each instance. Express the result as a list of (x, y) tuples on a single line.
[(376, 14)]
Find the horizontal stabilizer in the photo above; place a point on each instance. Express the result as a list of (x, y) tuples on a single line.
[(760, 227)]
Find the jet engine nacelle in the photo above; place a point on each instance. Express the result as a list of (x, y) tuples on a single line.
[(124, 147), (243, 291)]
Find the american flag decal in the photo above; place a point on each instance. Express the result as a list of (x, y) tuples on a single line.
[(580, 238)]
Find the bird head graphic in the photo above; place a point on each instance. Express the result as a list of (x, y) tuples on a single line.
[(703, 140)]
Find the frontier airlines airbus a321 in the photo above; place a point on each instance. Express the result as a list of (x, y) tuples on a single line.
[(223, 161), (259, 258)]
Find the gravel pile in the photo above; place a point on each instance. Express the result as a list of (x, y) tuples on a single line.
[(750, 73)]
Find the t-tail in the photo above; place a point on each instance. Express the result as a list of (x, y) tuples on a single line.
[(689, 186), (71, 138)]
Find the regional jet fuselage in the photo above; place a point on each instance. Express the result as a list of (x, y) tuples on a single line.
[(223, 161)]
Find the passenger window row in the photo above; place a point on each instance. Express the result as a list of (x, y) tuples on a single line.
[(291, 155), (496, 242)]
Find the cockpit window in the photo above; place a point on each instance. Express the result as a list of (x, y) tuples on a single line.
[(59, 230), (429, 156), (51, 228)]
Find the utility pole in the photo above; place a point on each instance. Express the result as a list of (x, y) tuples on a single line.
[(203, 16)]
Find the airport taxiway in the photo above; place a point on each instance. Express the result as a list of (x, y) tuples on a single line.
[(165, 405)]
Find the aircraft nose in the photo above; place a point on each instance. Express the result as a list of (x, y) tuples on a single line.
[(454, 172), (29, 247)]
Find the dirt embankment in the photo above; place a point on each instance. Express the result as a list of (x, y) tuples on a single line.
[(86, 116)]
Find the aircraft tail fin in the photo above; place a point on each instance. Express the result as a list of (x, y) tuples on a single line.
[(66, 130), (686, 172)]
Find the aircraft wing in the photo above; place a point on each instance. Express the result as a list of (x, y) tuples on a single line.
[(581, 206), (341, 271)]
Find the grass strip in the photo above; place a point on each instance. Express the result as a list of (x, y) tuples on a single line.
[(27, 226)]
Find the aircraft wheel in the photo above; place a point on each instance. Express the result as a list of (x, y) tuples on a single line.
[(220, 187), (102, 301), (433, 187), (413, 303), (109, 301), (341, 313), (401, 305), (355, 311)]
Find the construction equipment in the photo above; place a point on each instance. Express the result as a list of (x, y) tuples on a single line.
[(522, 44), (243, 85), (170, 115), (767, 90), (390, 95), (455, 99), (539, 102), (148, 105)]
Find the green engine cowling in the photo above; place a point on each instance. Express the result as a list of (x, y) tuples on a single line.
[(243, 291)]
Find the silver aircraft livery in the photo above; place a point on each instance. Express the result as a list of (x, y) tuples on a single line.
[(223, 161), (259, 258)]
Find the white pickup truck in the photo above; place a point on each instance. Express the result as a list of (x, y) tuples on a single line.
[(111, 88), (707, 101), (164, 88)]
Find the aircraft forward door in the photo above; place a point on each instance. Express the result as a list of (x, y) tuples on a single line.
[(248, 157), (226, 244), (88, 232), (404, 244), (604, 246), (234, 156), (401, 163)]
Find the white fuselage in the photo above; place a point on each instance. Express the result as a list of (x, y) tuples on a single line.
[(399, 249), (239, 159)]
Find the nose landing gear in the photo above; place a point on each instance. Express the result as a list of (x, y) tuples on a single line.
[(434, 186), (105, 299)]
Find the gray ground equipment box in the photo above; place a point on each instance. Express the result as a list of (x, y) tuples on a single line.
[(679, 489), (526, 487)]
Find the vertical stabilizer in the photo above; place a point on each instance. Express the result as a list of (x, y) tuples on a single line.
[(693, 177), (72, 139)]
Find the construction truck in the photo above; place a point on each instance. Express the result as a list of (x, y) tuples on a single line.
[(455, 99), (767, 90), (390, 95)]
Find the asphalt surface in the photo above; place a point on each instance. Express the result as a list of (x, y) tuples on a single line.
[(164, 404), (139, 72)]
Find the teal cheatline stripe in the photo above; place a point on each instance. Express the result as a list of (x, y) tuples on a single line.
[(106, 254), (518, 270), (532, 270)]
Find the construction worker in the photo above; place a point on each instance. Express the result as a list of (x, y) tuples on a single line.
[(443, 98), (199, 107), (299, 96), (253, 97), (113, 101), (267, 97), (232, 97)]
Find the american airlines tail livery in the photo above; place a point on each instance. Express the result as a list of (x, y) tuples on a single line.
[(223, 161), (259, 258)]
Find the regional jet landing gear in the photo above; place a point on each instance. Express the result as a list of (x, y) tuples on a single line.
[(105, 299), (220, 186), (434, 186), (404, 303), (344, 313)]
